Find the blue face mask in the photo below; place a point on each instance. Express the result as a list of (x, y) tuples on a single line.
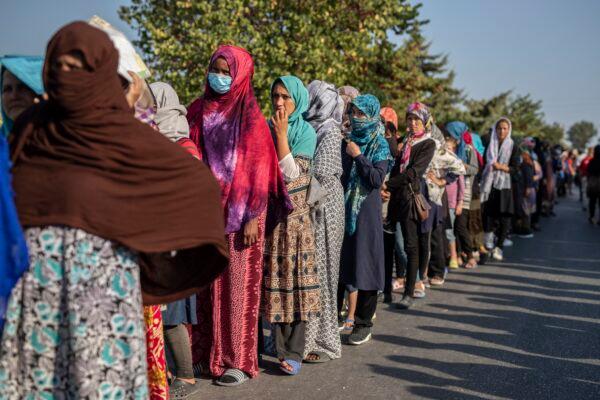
[(219, 83)]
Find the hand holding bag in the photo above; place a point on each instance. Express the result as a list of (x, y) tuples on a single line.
[(420, 204)]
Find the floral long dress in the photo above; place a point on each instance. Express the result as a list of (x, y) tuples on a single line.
[(74, 325)]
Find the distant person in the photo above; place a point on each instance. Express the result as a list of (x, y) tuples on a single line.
[(501, 161), (593, 184)]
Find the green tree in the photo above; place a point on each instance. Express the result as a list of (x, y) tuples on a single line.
[(580, 134), (344, 42), (554, 133), (525, 113), (416, 74)]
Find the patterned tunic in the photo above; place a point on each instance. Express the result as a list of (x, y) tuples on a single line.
[(74, 325), (291, 282), (322, 331)]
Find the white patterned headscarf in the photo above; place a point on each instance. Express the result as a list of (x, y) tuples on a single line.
[(325, 108), (497, 152), (170, 114)]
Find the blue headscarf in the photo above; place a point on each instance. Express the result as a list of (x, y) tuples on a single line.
[(477, 143), (29, 71), (368, 134), (456, 129), (302, 137), (13, 250)]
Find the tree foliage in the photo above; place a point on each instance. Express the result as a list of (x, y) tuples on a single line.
[(580, 134), (524, 112), (345, 42), (374, 45), (554, 133)]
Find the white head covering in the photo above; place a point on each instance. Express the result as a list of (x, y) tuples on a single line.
[(496, 152), (170, 115)]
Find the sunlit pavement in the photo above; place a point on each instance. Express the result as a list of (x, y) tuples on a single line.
[(527, 328)]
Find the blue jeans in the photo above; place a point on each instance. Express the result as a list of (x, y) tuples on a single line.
[(401, 257)]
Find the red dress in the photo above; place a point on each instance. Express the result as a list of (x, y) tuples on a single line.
[(226, 335)]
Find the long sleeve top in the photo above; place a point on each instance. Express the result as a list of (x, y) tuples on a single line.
[(456, 192), (289, 168), (400, 205)]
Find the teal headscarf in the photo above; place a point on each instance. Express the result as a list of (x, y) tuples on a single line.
[(457, 129), (477, 143), (302, 137), (28, 69), (368, 134)]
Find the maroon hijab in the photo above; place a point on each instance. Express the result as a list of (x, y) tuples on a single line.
[(82, 160)]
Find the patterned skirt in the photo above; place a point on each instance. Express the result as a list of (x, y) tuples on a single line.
[(291, 280), (226, 335), (74, 326)]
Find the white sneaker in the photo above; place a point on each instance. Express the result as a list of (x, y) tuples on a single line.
[(489, 240), (476, 256), (497, 254), (527, 236), (508, 243)]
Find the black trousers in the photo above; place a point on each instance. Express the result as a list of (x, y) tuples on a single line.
[(389, 244), (366, 305), (500, 225), (463, 236), (290, 340), (594, 198), (437, 263), (416, 246)]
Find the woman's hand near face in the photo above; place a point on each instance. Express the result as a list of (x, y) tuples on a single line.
[(134, 90), (280, 124), (352, 149)]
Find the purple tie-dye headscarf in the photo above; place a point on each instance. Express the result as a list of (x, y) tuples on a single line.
[(235, 142)]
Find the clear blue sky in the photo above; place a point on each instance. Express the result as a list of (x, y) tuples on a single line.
[(549, 48)]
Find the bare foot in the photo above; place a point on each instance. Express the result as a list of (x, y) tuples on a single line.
[(285, 365)]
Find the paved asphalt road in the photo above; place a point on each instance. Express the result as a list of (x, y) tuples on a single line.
[(527, 328)]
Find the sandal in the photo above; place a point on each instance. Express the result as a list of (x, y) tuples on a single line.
[(320, 357), (471, 264), (398, 287), (436, 281), (180, 390), (232, 377), (296, 366), (347, 325)]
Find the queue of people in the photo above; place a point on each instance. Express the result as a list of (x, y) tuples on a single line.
[(145, 243)]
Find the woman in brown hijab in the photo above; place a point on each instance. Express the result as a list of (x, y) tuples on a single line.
[(109, 213)]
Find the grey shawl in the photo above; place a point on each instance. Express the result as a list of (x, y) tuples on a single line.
[(170, 115)]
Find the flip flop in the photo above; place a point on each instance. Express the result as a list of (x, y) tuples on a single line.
[(323, 358), (296, 366), (232, 377)]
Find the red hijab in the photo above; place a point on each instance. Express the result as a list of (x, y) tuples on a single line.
[(236, 143)]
